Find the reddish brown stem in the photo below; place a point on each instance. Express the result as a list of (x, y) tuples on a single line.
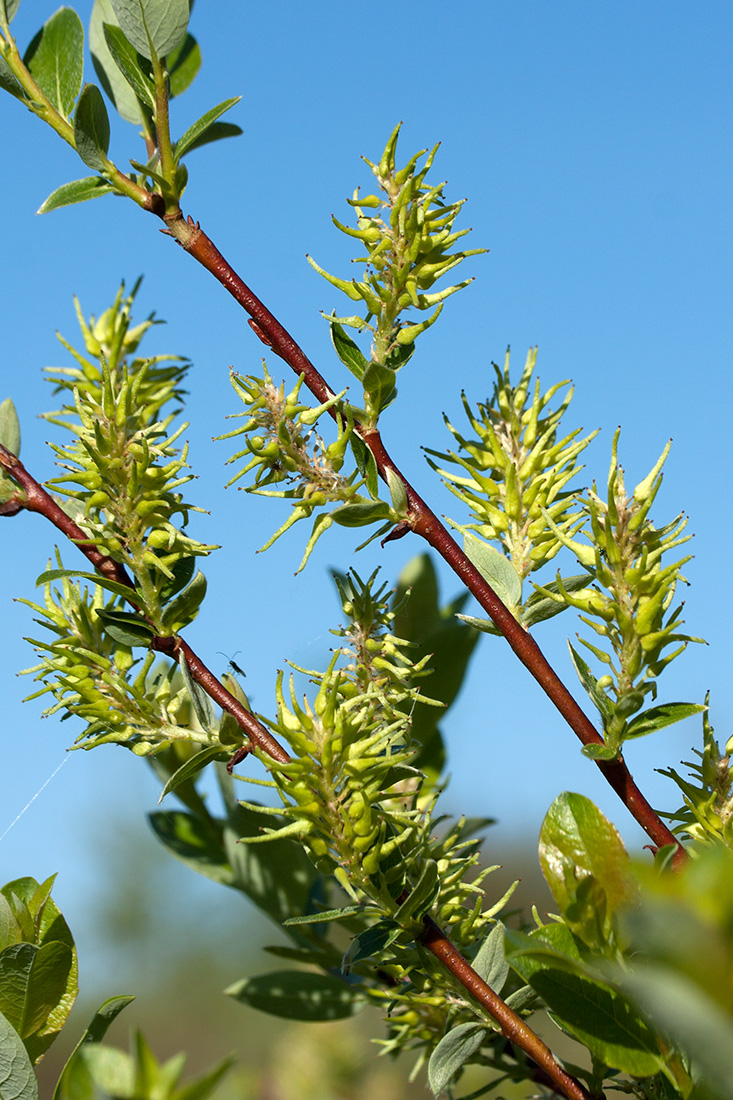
[(512, 1026), (424, 522), (36, 499)]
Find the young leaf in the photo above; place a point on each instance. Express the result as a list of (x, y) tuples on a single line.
[(191, 768), (540, 607), (52, 575), (496, 570), (347, 351), (55, 59), (397, 492), (126, 627), (490, 962), (452, 1052), (360, 513), (91, 128), (184, 607), (8, 9), (17, 1079), (216, 132), (9, 427), (379, 384), (298, 995), (202, 706), (75, 1080), (110, 77), (326, 916), (127, 60), (8, 82), (656, 718), (589, 682), (366, 464), (580, 847), (157, 24), (369, 943), (90, 187), (196, 132)]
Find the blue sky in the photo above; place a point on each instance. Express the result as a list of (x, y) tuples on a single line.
[(593, 143)]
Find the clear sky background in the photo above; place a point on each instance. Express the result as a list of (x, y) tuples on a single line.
[(594, 144)]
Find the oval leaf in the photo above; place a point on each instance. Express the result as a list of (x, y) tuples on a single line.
[(194, 135), (91, 128), (127, 60), (496, 570), (17, 1079), (656, 718), (298, 995), (90, 187), (452, 1052), (9, 427), (158, 25), (110, 77), (55, 59)]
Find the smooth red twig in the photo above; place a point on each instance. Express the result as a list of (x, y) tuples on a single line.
[(425, 523), (513, 1027)]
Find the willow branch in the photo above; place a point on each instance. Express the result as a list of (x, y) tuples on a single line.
[(425, 523), (512, 1026), (34, 498)]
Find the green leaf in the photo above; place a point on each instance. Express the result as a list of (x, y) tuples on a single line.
[(366, 464), (52, 575), (55, 59), (586, 867), (347, 351), (8, 9), (589, 682), (278, 876), (369, 943), (422, 894), (196, 842), (201, 702), (539, 607), (17, 1079), (191, 768), (298, 995), (360, 513), (693, 1020), (126, 627), (326, 915), (590, 1010), (490, 962), (205, 1085), (496, 570), (600, 752), (452, 1052), (9, 927), (91, 128), (184, 608), (216, 132), (656, 718), (127, 60), (195, 133), (397, 492), (32, 983), (9, 427), (161, 24), (8, 82), (110, 77), (90, 187), (183, 64), (379, 384)]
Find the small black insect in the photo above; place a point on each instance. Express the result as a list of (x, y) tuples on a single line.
[(233, 664)]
